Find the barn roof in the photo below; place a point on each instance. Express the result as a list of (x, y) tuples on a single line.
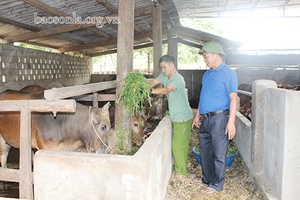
[(62, 24), (225, 8)]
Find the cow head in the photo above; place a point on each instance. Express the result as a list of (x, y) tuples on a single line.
[(159, 106), (138, 124), (101, 122)]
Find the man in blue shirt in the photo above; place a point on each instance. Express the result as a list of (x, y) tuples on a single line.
[(173, 85), (215, 116)]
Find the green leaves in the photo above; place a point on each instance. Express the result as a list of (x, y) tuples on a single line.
[(136, 92)]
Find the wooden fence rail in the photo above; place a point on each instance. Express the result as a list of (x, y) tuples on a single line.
[(24, 175), (53, 103)]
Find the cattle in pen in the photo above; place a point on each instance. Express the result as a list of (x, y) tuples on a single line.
[(86, 128)]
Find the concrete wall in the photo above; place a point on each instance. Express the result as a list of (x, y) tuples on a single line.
[(282, 152), (274, 140), (243, 138), (74, 175)]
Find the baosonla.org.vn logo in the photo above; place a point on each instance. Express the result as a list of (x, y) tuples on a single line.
[(74, 19)]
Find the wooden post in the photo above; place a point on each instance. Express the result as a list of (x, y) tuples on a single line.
[(124, 65), (26, 175), (173, 47), (157, 38), (95, 100), (149, 66)]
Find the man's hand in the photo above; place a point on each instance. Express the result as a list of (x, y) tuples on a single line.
[(196, 121), (230, 130)]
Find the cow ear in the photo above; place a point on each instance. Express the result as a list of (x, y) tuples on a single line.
[(95, 117)]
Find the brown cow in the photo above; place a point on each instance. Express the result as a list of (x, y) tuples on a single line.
[(143, 124), (87, 127), (138, 124)]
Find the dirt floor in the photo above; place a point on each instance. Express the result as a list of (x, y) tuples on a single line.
[(238, 185)]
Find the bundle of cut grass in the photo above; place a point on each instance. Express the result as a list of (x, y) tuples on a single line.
[(136, 93)]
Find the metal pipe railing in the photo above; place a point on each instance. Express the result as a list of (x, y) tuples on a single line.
[(245, 93)]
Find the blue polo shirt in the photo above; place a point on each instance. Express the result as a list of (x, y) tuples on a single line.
[(217, 85), (179, 106)]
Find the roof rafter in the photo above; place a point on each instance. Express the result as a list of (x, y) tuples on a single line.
[(110, 42), (56, 12)]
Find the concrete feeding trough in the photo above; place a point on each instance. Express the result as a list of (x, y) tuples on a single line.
[(75, 175)]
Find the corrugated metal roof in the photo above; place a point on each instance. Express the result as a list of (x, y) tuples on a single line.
[(223, 8), (18, 18), (261, 52)]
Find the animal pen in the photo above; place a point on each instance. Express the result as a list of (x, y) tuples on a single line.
[(147, 172)]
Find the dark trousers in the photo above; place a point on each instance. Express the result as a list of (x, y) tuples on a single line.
[(213, 149)]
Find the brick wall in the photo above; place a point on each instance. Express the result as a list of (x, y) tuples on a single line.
[(20, 67)]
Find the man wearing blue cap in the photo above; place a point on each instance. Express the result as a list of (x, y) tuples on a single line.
[(216, 116)]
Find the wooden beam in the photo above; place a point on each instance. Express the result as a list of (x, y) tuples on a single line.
[(31, 28), (100, 43), (108, 6), (113, 10), (191, 44), (18, 24), (101, 97), (115, 50), (77, 90), (110, 42), (98, 32), (7, 174), (45, 7), (203, 37), (47, 32), (39, 105), (190, 33)]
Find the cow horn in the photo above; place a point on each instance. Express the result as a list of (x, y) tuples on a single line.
[(106, 106)]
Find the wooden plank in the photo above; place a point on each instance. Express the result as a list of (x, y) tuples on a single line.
[(101, 97), (77, 90), (107, 97), (7, 174), (26, 174), (39, 105)]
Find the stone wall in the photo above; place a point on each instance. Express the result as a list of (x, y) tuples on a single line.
[(20, 67)]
